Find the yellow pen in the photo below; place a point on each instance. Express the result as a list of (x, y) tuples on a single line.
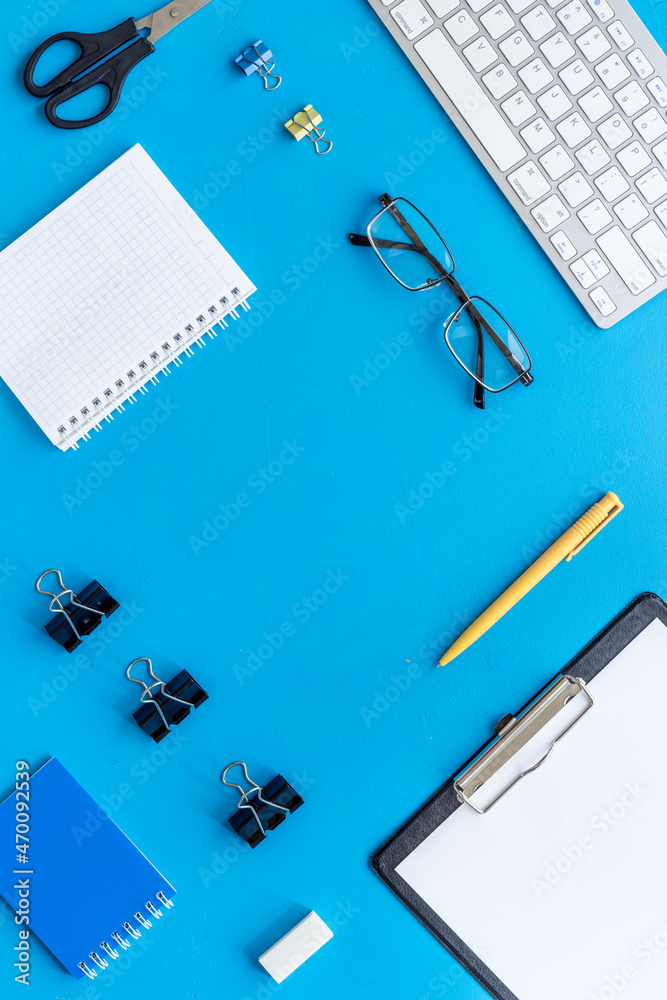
[(569, 543)]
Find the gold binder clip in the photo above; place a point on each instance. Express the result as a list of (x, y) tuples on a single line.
[(305, 123)]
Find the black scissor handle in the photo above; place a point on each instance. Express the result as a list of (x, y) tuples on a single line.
[(112, 74), (93, 47)]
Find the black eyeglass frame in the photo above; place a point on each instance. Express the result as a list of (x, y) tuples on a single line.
[(447, 276)]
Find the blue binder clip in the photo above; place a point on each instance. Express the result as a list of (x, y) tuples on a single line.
[(260, 809), (165, 705), (80, 614), (256, 59)]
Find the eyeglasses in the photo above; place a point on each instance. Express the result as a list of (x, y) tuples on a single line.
[(483, 343)]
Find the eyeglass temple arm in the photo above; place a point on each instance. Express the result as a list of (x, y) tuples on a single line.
[(363, 241)]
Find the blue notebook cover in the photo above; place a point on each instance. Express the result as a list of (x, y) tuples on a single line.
[(89, 879)]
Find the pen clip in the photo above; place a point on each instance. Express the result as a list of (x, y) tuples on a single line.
[(615, 509)]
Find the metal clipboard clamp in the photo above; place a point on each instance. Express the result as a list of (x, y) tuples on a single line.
[(514, 733)]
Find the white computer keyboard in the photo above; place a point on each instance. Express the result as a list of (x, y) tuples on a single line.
[(565, 104)]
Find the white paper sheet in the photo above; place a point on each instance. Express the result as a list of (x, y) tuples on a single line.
[(561, 888), (104, 292)]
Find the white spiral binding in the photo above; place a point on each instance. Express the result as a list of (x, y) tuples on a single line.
[(122, 943), (89, 418)]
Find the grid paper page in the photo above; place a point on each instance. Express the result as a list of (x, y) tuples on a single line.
[(104, 292)]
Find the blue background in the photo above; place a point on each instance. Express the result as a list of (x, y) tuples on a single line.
[(350, 707)]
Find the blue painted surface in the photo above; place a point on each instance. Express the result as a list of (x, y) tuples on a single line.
[(314, 390)]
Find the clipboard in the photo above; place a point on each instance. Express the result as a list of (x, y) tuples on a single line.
[(580, 767)]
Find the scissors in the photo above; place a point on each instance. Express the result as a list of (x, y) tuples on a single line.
[(99, 48)]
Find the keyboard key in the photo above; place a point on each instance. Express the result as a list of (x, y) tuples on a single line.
[(633, 158), (575, 189), (612, 71), (480, 54), (659, 90), (631, 211), (461, 27), (412, 17), (582, 273), (621, 254), (594, 216), (516, 48), (563, 245), (529, 182), (596, 264), (551, 213), (631, 98), (653, 242), (593, 156), (660, 152), (538, 22), (652, 185), (441, 8), (651, 125), (499, 81), (557, 50), (519, 5), (640, 63), (601, 9), (478, 5), (557, 162), (595, 104), (661, 212), (498, 21), (593, 43), (464, 91), (574, 16), (614, 131), (621, 35), (518, 108), (576, 77), (537, 135), (603, 301), (536, 76), (573, 130), (612, 184), (554, 103)]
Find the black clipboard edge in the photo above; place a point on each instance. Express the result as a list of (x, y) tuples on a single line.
[(593, 658)]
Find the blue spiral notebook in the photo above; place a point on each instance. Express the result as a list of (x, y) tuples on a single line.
[(91, 891)]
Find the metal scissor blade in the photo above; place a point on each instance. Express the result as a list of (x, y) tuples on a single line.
[(169, 16)]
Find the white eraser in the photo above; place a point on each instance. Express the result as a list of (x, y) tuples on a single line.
[(295, 947)]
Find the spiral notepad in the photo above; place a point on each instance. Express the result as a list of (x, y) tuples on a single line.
[(90, 891), (105, 293)]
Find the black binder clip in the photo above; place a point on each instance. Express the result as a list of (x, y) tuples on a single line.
[(80, 615), (260, 809), (165, 705)]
